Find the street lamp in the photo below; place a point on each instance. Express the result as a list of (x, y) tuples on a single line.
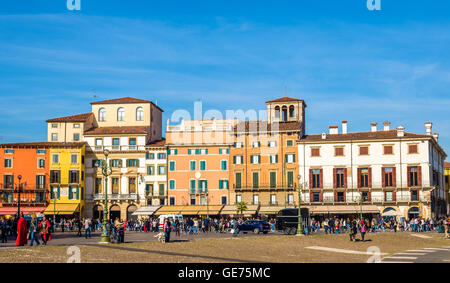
[(106, 171), (300, 226), (18, 205)]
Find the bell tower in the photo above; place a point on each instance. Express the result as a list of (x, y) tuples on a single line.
[(285, 110)]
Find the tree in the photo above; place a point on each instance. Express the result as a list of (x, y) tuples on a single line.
[(241, 207)]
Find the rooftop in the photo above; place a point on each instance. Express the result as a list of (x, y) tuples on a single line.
[(73, 118), (285, 99), (391, 134), (42, 144), (263, 126)]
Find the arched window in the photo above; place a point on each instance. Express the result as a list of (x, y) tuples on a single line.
[(277, 112), (102, 115), (292, 111), (285, 114), (120, 114), (140, 114)]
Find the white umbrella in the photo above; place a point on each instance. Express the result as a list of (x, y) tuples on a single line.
[(391, 213)]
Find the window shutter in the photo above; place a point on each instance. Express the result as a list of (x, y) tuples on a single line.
[(321, 195), (335, 196), (408, 172), (311, 197), (293, 157), (394, 176), (59, 191), (276, 158), (310, 178), (419, 176), (321, 178), (78, 193), (234, 159), (345, 177), (220, 184), (383, 177), (37, 181), (137, 163), (370, 177), (334, 178), (394, 196), (359, 177)]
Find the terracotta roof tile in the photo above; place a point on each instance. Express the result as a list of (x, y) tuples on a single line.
[(446, 164), (118, 130), (391, 134), (262, 126), (157, 143), (285, 99), (73, 118), (42, 144)]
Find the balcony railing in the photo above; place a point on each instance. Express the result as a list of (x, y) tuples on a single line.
[(265, 186), (116, 197), (355, 186), (101, 148)]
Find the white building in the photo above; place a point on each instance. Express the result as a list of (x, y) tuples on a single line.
[(388, 169), (156, 174)]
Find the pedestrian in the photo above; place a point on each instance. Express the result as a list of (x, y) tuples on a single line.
[(44, 230), (87, 228), (353, 230), (363, 229), (4, 230), (21, 231), (167, 229), (34, 230), (79, 225)]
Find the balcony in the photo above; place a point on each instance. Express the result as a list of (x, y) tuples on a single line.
[(264, 187), (119, 197), (117, 148)]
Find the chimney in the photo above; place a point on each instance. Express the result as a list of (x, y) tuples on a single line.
[(387, 125), (436, 136), (428, 126), (400, 131), (334, 130), (324, 136), (374, 126), (344, 127)]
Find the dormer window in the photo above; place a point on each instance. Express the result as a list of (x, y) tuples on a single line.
[(120, 114), (102, 115), (140, 114)]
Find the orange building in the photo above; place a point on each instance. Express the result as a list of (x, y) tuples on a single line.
[(264, 165), (31, 162), (198, 166)]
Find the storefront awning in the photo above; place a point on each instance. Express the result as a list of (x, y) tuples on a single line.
[(177, 209), (266, 210), (62, 208), (343, 209), (210, 209), (146, 210), (232, 210), (25, 210)]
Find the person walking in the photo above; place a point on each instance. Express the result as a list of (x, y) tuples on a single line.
[(363, 229), (87, 228), (44, 230), (4, 230), (21, 231), (353, 230), (167, 230), (79, 225), (34, 230)]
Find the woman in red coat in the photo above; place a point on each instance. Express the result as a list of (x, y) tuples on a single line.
[(21, 231)]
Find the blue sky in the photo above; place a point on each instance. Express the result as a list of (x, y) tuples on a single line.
[(347, 62)]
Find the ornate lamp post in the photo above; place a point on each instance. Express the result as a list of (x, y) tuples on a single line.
[(300, 226), (18, 204), (106, 171)]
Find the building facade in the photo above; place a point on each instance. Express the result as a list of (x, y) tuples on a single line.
[(372, 172), (264, 167), (31, 162), (156, 175), (198, 164), (447, 184), (67, 180)]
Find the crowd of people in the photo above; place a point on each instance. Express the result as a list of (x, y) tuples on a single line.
[(39, 230)]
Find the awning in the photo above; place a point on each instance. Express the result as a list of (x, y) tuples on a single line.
[(391, 213), (232, 210), (25, 210), (62, 208), (176, 209), (270, 209), (146, 210), (343, 209), (210, 209)]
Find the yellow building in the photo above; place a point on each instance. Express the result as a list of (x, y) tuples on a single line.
[(447, 184), (67, 181)]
